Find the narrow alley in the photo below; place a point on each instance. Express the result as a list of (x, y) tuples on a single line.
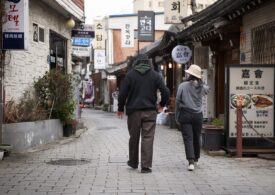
[(95, 163)]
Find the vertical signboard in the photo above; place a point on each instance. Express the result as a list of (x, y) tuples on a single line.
[(99, 40), (99, 59), (15, 24), (146, 26), (251, 86), (204, 98), (127, 36), (174, 10)]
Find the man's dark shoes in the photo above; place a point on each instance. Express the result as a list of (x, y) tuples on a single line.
[(146, 170), (131, 165)]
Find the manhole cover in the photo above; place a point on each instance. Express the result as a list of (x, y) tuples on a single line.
[(106, 128), (69, 162)]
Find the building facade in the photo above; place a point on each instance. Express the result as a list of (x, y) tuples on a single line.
[(49, 44)]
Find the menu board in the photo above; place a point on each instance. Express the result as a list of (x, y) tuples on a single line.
[(252, 87)]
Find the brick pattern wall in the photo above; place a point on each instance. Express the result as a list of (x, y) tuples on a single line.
[(80, 3), (256, 18), (23, 66)]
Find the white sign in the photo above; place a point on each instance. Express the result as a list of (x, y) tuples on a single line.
[(204, 98), (99, 40), (253, 88), (81, 51), (174, 10), (181, 54), (99, 59), (127, 36), (15, 25)]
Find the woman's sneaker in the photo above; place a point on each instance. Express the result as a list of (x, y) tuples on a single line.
[(191, 167)]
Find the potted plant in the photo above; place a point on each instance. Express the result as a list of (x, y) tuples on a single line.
[(213, 135), (56, 92)]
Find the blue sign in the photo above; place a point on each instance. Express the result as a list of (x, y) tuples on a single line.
[(13, 40), (77, 41)]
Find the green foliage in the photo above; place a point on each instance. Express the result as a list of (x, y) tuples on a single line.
[(217, 122), (55, 91), (105, 107)]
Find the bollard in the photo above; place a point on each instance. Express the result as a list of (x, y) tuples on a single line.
[(239, 142)]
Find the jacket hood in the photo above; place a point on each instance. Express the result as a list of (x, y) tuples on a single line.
[(142, 68)]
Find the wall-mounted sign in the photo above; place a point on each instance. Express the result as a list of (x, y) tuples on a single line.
[(252, 86), (85, 31), (81, 51), (146, 26), (15, 25), (99, 59), (78, 41), (127, 35), (181, 54), (174, 10), (205, 109)]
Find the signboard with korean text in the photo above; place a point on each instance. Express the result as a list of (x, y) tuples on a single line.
[(99, 40), (146, 26), (81, 51), (252, 87), (15, 25), (85, 31), (79, 41), (99, 59), (204, 98), (181, 54), (127, 35), (174, 10)]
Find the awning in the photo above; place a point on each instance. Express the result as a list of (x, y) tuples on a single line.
[(216, 16), (164, 42), (67, 8)]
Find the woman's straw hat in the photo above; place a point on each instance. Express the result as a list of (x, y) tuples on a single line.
[(194, 70)]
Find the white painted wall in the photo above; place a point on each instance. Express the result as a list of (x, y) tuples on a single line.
[(155, 5), (23, 66)]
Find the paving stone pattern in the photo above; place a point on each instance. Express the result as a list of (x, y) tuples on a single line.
[(105, 146)]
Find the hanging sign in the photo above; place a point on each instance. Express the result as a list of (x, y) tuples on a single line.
[(15, 24), (174, 10), (146, 26), (99, 40), (99, 59), (181, 54)]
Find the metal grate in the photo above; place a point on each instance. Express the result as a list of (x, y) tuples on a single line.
[(263, 44), (69, 162)]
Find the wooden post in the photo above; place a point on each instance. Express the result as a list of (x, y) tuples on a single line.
[(239, 141)]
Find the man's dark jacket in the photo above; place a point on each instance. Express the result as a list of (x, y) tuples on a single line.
[(139, 90)]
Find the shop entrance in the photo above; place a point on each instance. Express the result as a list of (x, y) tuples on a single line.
[(58, 51)]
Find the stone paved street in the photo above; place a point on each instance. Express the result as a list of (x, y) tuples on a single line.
[(105, 147)]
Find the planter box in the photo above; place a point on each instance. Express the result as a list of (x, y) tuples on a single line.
[(212, 138), (25, 135)]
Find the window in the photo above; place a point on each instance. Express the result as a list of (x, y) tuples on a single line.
[(150, 3), (41, 34), (35, 32), (38, 33), (160, 3), (263, 44)]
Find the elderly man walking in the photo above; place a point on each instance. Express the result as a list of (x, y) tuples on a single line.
[(139, 93)]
